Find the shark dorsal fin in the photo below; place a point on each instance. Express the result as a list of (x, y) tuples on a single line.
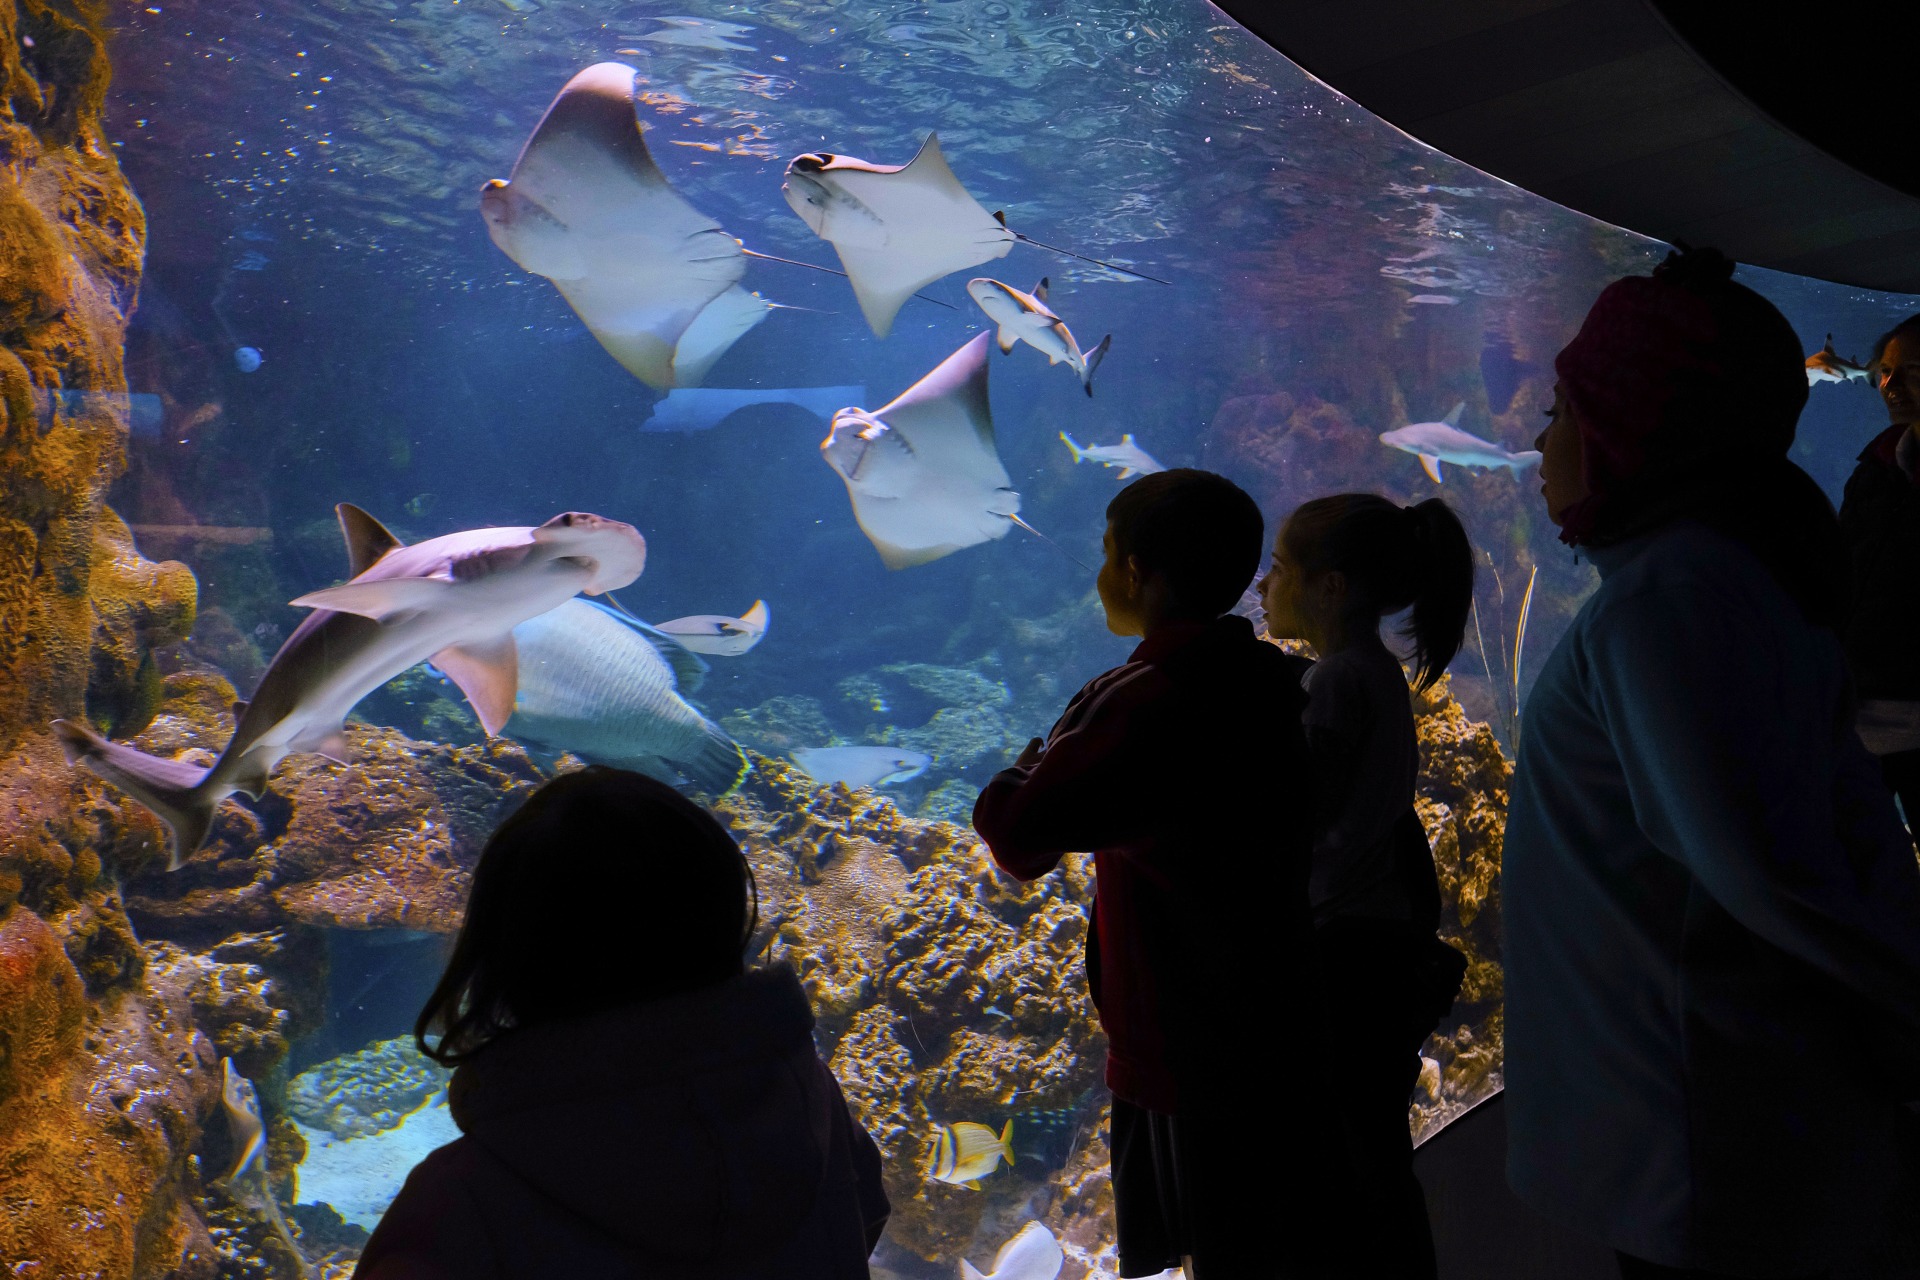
[(367, 539), (1453, 415)]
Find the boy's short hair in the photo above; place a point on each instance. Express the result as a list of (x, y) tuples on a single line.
[(1199, 530)]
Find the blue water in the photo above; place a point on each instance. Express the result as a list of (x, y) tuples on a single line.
[(311, 174)]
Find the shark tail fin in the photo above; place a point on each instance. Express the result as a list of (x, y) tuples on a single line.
[(177, 793), (1073, 447), (1093, 359), (1522, 460)]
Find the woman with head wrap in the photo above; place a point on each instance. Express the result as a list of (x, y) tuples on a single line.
[(1712, 917)]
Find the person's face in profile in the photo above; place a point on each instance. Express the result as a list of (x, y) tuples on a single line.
[(1120, 589), (1898, 377), (1563, 482)]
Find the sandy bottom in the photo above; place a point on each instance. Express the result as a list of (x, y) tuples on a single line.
[(360, 1177)]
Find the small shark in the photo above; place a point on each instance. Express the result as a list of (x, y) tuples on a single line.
[(1128, 456), (1443, 441), (1025, 317), (1828, 365), (718, 636), (453, 599)]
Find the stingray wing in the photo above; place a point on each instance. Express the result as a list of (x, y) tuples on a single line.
[(898, 228), (935, 483), (588, 208)]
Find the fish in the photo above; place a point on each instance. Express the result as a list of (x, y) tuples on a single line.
[(655, 280), (922, 472), (897, 228), (699, 33), (861, 766), (1443, 441), (1025, 317), (609, 689), (242, 1107), (247, 359), (1032, 1254), (454, 599), (1828, 365), (718, 636), (1128, 456), (698, 408), (966, 1152)]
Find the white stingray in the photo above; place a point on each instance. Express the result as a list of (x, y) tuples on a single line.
[(652, 277), (896, 227), (923, 472)]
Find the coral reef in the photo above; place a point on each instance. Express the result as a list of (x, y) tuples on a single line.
[(363, 1093)]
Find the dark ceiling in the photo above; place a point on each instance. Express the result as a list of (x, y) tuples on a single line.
[(1762, 136)]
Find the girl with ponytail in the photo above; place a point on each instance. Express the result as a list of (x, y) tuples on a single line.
[(1341, 565)]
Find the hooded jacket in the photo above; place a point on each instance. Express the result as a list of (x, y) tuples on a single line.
[(694, 1136)]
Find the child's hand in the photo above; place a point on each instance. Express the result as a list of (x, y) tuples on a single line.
[(1031, 756)]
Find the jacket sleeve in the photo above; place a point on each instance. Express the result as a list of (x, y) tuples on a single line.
[(1092, 788), (1739, 765)]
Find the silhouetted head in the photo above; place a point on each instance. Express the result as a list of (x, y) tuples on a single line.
[(605, 888), (1895, 370), (1366, 557), (1678, 399), (1180, 543)]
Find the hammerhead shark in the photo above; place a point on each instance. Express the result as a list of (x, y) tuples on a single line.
[(454, 599)]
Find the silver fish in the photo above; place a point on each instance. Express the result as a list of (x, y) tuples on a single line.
[(453, 599), (861, 766), (608, 688)]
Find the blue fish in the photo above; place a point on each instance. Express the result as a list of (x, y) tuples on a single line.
[(698, 408), (608, 688), (247, 359)]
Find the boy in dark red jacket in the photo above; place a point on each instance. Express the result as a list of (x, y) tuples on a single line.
[(1184, 770)]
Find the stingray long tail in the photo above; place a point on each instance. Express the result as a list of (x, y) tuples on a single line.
[(1050, 542), (177, 792), (1068, 253)]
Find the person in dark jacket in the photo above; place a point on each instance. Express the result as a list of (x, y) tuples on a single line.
[(633, 1101), (1184, 771), (1711, 918), (1880, 518)]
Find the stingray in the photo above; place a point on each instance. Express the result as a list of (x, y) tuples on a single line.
[(653, 278), (923, 472), (900, 227)]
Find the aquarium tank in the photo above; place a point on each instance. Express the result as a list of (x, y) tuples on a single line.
[(735, 275)]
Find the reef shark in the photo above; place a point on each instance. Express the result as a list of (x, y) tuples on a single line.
[(653, 278), (922, 472), (1025, 317), (454, 599), (1828, 365), (1443, 441)]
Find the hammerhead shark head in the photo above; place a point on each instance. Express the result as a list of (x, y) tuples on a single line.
[(454, 599)]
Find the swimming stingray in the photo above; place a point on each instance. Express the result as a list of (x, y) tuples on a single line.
[(898, 227), (652, 277), (922, 471), (454, 599)]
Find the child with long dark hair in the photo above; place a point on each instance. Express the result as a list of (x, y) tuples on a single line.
[(1341, 565), (633, 1099)]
